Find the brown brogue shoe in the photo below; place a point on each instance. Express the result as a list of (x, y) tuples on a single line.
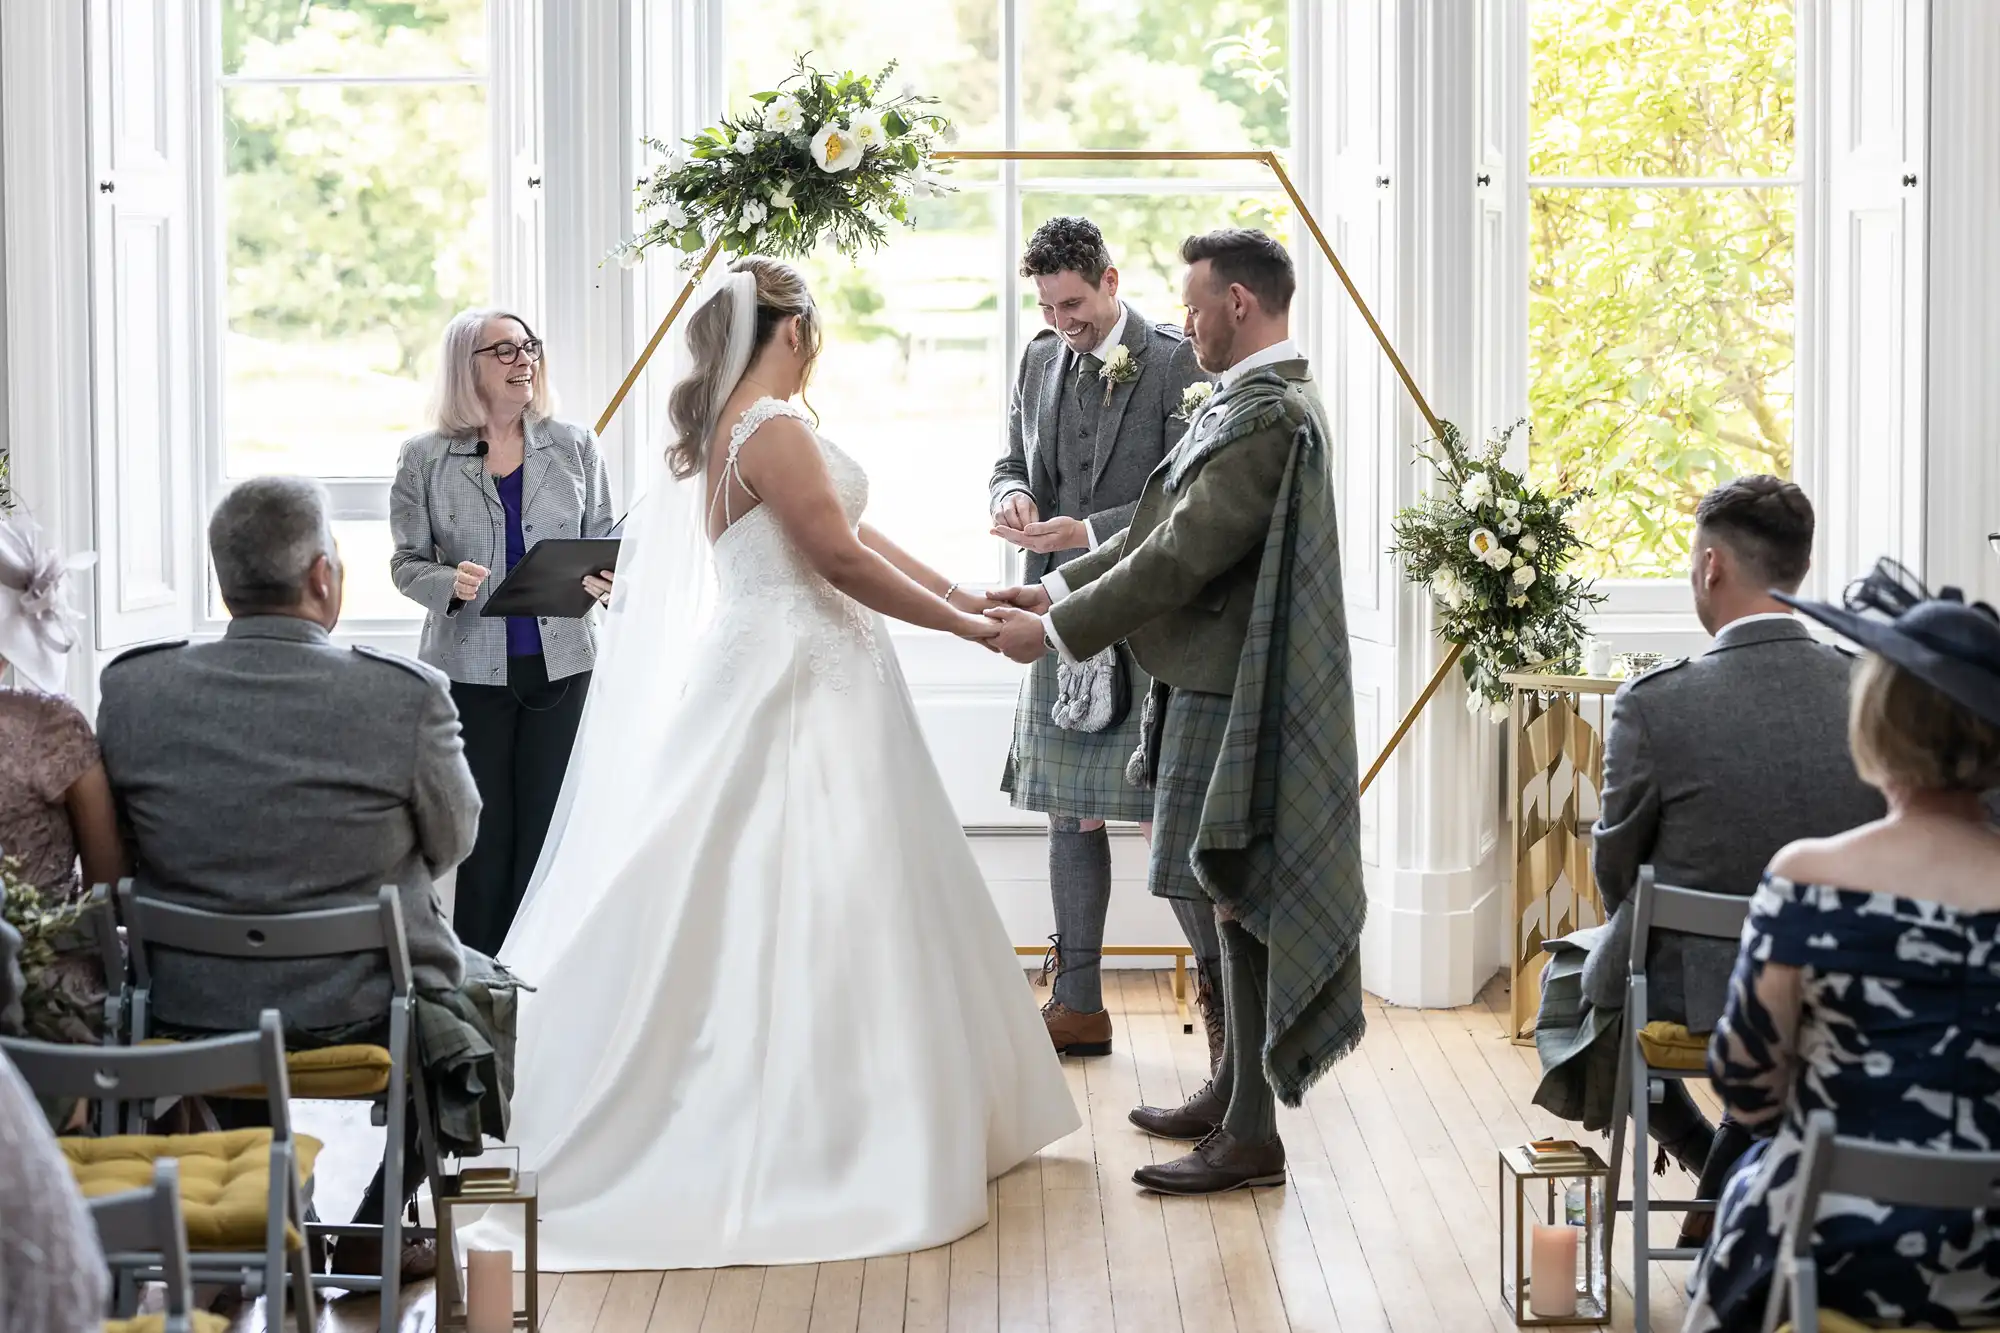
[(1077, 1034), (1195, 1119), (1219, 1164)]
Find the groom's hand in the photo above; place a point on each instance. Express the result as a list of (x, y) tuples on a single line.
[(1017, 510), (1034, 598), (1021, 636)]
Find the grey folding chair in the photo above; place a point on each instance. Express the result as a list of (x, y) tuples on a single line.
[(193, 1069), (1642, 1079), (1879, 1172), (144, 1237), (151, 924)]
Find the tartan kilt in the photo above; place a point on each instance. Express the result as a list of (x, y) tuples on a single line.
[(1190, 746), (1074, 774)]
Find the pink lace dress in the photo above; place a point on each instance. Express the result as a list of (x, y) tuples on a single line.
[(45, 746)]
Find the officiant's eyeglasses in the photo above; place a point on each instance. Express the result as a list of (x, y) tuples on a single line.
[(508, 352)]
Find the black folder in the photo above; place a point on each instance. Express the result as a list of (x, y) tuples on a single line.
[(549, 579)]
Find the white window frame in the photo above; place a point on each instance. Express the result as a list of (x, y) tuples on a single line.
[(1657, 613), (511, 28), (690, 44)]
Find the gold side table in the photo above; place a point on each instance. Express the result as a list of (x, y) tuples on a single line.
[(1554, 777)]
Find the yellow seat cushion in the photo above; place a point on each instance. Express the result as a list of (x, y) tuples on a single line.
[(1833, 1321), (203, 1321), (1672, 1046), (225, 1178), (331, 1073)]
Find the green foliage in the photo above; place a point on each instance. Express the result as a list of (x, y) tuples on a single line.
[(1661, 320), (49, 932), (1494, 552), (354, 209)]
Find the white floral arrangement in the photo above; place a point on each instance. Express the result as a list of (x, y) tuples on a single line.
[(1492, 551), (1193, 399), (822, 156)]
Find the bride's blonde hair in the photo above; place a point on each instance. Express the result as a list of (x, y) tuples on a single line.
[(781, 294)]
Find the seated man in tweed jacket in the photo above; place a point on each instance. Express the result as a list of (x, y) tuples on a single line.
[(1179, 585), (274, 771), (1711, 764)]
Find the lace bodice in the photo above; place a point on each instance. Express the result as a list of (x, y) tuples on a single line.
[(759, 570)]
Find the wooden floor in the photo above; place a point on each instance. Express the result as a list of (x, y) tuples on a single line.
[(1389, 1221)]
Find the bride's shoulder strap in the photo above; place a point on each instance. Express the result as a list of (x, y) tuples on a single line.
[(756, 415)]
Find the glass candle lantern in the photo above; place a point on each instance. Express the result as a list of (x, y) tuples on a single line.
[(1552, 1231), (468, 1294)]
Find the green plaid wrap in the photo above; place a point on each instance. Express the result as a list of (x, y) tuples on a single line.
[(1073, 774), (1190, 741), (1278, 847)]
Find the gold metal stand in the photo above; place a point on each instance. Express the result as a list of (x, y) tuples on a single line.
[(1181, 953)]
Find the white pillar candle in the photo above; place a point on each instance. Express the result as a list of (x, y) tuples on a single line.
[(489, 1291), (1552, 1272)]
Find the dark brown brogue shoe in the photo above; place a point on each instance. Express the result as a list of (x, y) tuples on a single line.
[(1077, 1034), (1195, 1119), (1216, 1166)]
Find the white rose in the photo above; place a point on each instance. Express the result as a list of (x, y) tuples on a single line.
[(950, 134), (631, 256), (781, 199), (1529, 545), (868, 130), (836, 149), (746, 142), (1499, 558), (754, 214), (1511, 527), (782, 114), (676, 216), (1524, 577), (1510, 507)]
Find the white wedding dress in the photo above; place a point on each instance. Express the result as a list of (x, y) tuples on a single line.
[(776, 1018)]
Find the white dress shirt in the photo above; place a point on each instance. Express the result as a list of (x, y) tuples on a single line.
[(1058, 587)]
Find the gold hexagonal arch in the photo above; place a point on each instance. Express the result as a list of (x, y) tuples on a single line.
[(1263, 156)]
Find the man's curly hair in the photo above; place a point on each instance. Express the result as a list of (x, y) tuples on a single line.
[(1067, 245)]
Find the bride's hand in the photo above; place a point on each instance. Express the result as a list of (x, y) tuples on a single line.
[(978, 629), (972, 601)]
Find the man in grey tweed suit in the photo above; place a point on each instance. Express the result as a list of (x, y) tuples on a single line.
[(1096, 406), (1711, 765), (275, 771)]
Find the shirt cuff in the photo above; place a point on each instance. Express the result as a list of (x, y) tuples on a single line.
[(1055, 642), (1056, 584), (1090, 534)]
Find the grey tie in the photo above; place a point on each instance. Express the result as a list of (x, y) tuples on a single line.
[(1087, 367)]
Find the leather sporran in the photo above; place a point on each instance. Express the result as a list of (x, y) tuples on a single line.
[(1095, 694)]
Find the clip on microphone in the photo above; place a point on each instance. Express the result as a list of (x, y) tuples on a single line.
[(479, 450)]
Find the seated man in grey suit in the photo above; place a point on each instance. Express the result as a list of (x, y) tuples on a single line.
[(1713, 763), (273, 771)]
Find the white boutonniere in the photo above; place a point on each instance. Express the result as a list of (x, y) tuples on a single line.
[(1118, 368), (1193, 399)]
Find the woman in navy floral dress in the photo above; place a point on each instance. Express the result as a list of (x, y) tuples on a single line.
[(1868, 985)]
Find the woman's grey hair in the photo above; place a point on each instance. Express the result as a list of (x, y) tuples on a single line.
[(264, 538), (456, 408)]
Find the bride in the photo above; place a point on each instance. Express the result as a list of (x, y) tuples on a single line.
[(776, 1017)]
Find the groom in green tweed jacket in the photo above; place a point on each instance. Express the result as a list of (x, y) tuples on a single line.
[(1226, 585)]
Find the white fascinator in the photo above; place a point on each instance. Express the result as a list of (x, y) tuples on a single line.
[(37, 623)]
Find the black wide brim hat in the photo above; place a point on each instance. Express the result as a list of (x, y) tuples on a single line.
[(1949, 645)]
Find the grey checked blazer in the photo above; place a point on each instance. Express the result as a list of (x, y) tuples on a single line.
[(443, 509), (275, 771), (1139, 427), (1711, 765)]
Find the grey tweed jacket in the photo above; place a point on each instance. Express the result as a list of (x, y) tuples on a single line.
[(1138, 429), (1711, 765), (443, 509), (274, 771)]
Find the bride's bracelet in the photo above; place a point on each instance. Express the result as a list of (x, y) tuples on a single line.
[(948, 592)]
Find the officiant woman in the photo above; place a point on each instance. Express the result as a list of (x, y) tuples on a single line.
[(495, 474)]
